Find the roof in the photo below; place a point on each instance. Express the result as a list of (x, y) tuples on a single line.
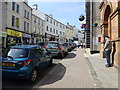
[(25, 46)]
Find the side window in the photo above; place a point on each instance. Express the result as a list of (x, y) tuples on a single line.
[(37, 52), (44, 52)]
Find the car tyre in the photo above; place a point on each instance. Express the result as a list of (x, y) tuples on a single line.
[(33, 76)]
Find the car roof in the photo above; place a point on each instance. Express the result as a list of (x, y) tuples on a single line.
[(26, 46)]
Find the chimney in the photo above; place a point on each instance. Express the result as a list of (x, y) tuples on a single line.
[(51, 15), (35, 6)]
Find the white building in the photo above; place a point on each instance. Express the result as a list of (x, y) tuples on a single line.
[(54, 30), (38, 25)]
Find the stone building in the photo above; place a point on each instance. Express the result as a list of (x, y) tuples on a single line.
[(110, 26)]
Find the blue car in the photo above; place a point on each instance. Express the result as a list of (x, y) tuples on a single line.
[(24, 61)]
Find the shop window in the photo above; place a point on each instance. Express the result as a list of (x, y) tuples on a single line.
[(13, 20)]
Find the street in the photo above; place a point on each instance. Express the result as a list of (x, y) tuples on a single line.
[(70, 72)]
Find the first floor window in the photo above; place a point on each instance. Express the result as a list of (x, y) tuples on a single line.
[(27, 26), (17, 22), (47, 28), (13, 20), (24, 26)]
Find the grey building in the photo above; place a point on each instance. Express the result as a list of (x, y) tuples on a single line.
[(3, 34)]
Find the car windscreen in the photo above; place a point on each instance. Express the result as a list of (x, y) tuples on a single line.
[(18, 53)]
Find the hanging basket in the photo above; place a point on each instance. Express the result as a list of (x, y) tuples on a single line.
[(81, 18), (95, 24)]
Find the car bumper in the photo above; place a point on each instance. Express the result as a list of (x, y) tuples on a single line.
[(22, 73)]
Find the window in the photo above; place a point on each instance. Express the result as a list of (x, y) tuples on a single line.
[(17, 22), (50, 29), (28, 15), (38, 30), (47, 19), (54, 31), (34, 29), (63, 27), (60, 26), (60, 33), (42, 23), (25, 13), (54, 22), (35, 20), (38, 21), (13, 6), (47, 28), (24, 26), (57, 24), (13, 20), (63, 33), (27, 26), (17, 9), (51, 21)]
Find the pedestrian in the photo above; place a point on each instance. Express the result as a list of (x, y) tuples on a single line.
[(107, 49)]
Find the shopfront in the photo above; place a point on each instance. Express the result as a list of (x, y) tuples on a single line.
[(13, 37), (26, 38)]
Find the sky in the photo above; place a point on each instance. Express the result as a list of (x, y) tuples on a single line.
[(63, 11)]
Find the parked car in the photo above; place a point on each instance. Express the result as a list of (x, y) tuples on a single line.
[(57, 48), (68, 45), (24, 61)]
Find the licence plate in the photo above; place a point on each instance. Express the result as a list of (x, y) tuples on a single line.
[(8, 64)]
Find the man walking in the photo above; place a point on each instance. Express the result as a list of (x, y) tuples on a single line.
[(107, 49)]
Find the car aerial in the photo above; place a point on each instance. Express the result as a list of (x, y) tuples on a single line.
[(24, 61), (57, 48)]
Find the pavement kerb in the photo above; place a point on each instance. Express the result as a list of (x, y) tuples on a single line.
[(93, 74)]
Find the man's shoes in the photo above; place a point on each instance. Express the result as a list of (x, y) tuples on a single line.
[(108, 65)]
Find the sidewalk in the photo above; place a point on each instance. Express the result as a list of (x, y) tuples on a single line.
[(71, 72), (108, 77)]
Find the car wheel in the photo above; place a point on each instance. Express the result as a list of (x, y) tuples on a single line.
[(51, 62), (33, 76)]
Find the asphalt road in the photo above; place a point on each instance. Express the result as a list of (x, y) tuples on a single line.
[(17, 83)]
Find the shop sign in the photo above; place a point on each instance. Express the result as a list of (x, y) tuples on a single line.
[(26, 35), (14, 33)]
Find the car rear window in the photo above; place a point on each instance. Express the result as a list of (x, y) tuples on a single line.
[(52, 45), (18, 53)]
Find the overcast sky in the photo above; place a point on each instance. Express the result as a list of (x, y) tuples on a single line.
[(63, 11)]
